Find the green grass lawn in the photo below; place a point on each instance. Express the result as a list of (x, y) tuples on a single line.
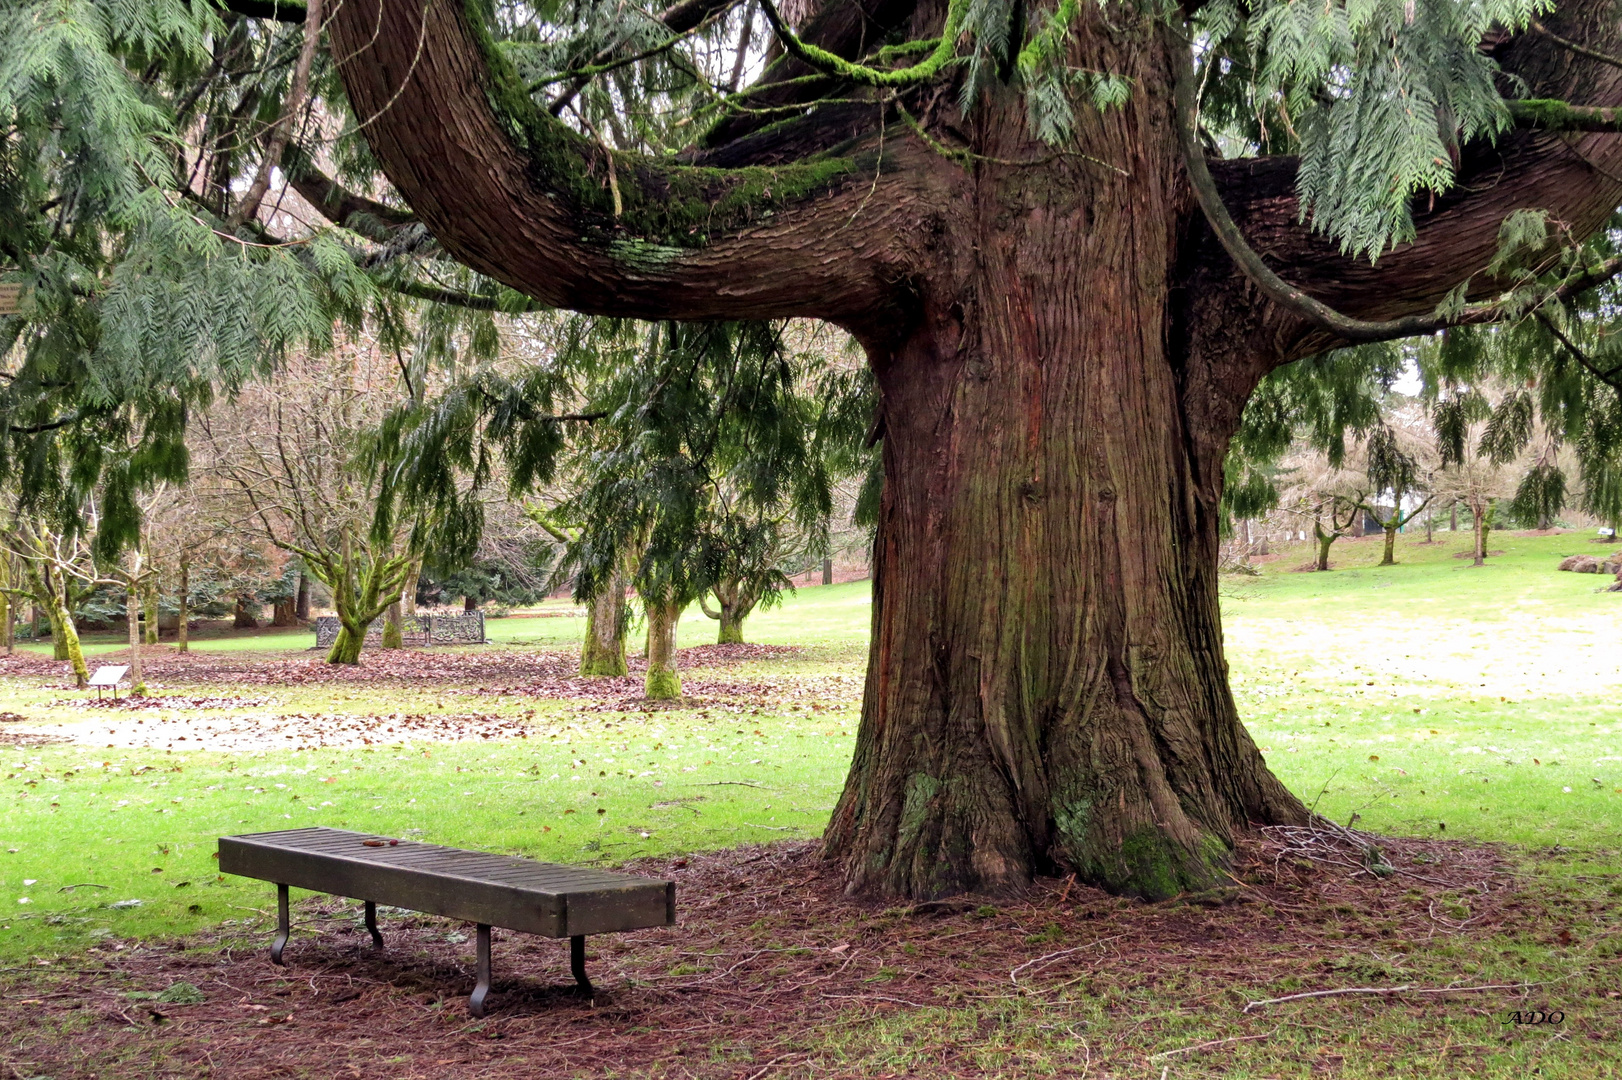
[(1429, 698)]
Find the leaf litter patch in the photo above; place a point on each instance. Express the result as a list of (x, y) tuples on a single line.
[(771, 962)]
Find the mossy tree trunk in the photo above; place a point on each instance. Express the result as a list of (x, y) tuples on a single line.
[(736, 601), (149, 606), (1047, 690), (50, 591), (363, 583), (1388, 556), (603, 651), (663, 682)]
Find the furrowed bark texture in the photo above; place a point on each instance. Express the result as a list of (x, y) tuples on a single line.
[(1047, 688), (1063, 352)]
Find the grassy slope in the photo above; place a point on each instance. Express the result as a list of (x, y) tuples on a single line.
[(1512, 669)]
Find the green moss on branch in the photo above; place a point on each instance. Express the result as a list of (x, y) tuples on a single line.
[(664, 207)]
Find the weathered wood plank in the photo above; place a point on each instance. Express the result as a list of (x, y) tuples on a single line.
[(499, 890)]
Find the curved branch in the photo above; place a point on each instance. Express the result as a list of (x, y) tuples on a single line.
[(1571, 178), (1572, 46), (521, 197), (1238, 248), (1611, 377), (332, 200)]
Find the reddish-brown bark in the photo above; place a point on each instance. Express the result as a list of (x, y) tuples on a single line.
[(1063, 353)]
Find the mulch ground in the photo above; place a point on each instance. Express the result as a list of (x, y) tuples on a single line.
[(770, 961)]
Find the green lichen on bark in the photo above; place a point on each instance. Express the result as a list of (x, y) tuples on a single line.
[(1152, 865), (662, 684), (679, 206)]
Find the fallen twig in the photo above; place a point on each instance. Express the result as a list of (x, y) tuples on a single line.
[(1405, 989), (1213, 1042), (1013, 974)]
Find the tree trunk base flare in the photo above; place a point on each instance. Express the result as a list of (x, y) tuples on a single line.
[(1046, 689), (347, 646), (662, 682), (731, 632), (284, 612), (246, 616), (602, 654)]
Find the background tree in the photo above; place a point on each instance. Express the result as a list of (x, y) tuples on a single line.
[(289, 457)]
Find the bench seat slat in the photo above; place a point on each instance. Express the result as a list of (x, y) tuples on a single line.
[(500, 890)]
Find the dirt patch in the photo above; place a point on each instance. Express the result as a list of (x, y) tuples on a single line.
[(770, 962)]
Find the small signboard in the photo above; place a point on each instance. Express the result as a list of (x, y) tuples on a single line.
[(9, 295), (109, 676)]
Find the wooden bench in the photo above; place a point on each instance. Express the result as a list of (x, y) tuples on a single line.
[(482, 888)]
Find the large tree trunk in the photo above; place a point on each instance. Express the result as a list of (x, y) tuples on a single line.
[(284, 611), (1389, 556), (246, 616), (603, 651), (301, 605), (1047, 690), (663, 683)]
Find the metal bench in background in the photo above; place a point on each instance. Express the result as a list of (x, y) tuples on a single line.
[(482, 888)]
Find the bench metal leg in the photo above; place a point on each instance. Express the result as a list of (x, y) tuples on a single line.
[(283, 925), (577, 963), (371, 924), (481, 987)]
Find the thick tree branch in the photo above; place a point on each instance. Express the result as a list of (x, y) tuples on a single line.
[(1550, 115), (1569, 177), (1233, 241), (521, 197), (335, 202)]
